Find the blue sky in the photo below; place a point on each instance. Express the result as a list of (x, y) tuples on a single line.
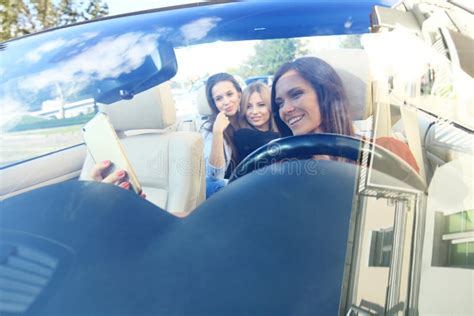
[(125, 6)]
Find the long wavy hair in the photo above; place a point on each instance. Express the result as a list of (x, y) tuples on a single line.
[(332, 97), (264, 91), (229, 131)]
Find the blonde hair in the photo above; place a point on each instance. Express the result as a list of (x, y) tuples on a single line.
[(264, 91)]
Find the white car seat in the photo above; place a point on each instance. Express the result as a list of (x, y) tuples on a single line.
[(195, 124), (169, 164), (352, 66), (204, 108)]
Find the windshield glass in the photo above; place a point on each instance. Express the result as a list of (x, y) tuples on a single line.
[(63, 76), (60, 99)]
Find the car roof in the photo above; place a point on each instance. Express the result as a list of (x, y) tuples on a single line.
[(239, 20)]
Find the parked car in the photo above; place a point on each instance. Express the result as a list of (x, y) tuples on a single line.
[(268, 80), (289, 235)]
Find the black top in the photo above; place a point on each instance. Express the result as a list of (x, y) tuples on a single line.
[(247, 140)]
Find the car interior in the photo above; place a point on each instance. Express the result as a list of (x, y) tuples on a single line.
[(288, 235), (188, 235), (169, 164)]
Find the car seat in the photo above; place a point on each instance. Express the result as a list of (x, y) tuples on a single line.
[(352, 66), (169, 164)]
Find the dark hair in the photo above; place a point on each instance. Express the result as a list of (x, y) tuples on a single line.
[(332, 98), (210, 83), (229, 131)]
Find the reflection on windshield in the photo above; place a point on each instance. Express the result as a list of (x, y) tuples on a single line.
[(37, 54), (108, 59), (199, 28), (57, 97), (421, 73)]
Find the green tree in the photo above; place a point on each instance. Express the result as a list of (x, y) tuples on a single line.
[(22, 17), (350, 41), (269, 56), (15, 18), (70, 12), (46, 14), (96, 9)]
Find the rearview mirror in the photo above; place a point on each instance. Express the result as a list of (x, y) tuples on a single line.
[(159, 66)]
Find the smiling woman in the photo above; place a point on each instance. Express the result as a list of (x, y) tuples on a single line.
[(223, 94), (257, 126), (309, 97)]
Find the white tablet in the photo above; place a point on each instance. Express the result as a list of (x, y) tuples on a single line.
[(103, 144)]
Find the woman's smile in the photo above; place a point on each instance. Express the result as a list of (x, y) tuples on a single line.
[(257, 112), (298, 104)]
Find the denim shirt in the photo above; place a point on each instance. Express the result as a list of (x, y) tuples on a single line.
[(211, 171)]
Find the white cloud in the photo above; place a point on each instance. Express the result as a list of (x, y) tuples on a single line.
[(36, 55), (109, 58), (198, 29), (82, 38)]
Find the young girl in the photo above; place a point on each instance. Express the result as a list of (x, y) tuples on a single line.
[(223, 94), (256, 121)]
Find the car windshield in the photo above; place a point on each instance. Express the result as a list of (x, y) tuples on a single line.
[(67, 77), (60, 99)]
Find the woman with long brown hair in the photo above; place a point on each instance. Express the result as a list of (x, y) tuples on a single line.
[(223, 94), (308, 97)]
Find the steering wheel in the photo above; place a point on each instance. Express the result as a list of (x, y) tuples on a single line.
[(341, 146)]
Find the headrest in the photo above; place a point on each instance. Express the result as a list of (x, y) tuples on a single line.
[(352, 66), (151, 109), (203, 107)]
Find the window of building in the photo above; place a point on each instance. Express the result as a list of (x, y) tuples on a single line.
[(454, 240), (459, 236), (381, 247)]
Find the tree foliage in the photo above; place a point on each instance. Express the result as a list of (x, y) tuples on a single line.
[(22, 17), (269, 56), (350, 41)]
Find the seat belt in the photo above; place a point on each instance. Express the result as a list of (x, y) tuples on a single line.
[(412, 131), (383, 99), (383, 120)]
